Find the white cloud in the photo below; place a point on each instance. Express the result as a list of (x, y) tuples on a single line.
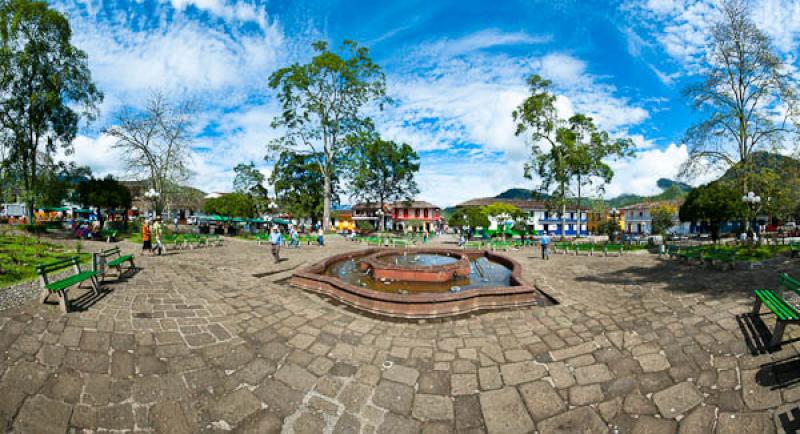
[(97, 153), (563, 69)]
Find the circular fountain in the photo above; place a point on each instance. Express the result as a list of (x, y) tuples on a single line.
[(420, 283)]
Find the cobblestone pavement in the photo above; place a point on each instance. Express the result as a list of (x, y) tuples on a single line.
[(212, 340)]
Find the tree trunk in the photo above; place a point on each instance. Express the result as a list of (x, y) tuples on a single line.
[(380, 217), (326, 202), (31, 189), (578, 224), (563, 220)]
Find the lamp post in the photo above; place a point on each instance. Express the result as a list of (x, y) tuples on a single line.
[(153, 195), (753, 202), (614, 214), (380, 213)]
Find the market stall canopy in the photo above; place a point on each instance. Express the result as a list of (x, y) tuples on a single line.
[(281, 221)]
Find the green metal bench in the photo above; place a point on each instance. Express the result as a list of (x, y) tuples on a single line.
[(61, 287), (402, 242), (587, 248), (561, 247), (794, 248), (690, 253), (619, 249), (504, 245), (673, 250), (213, 239), (113, 258), (719, 256), (784, 312), (473, 244)]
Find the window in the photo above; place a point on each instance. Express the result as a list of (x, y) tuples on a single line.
[(416, 212), (426, 212), (405, 212)]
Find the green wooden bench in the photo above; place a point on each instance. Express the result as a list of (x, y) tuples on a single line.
[(262, 238), (61, 287), (587, 248), (690, 253), (618, 249), (109, 235), (473, 244), (402, 242), (213, 239), (561, 247), (113, 258), (497, 245), (794, 248), (719, 256), (784, 312), (375, 241)]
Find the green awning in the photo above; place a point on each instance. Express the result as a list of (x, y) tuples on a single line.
[(82, 211), (58, 209), (281, 221), (239, 220), (256, 220)]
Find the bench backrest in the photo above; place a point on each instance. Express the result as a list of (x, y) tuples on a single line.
[(789, 282), (59, 265), (109, 252)]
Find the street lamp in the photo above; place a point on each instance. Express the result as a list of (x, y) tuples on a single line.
[(380, 213), (153, 195), (753, 201), (614, 214)]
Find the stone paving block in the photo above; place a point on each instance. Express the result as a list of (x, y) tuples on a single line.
[(463, 384), (347, 424), (236, 406), (735, 423), (542, 400), (43, 415), (504, 412), (757, 397), (651, 425), (296, 377), (169, 417), (677, 400), (309, 423), (593, 374), (394, 397), (573, 351), (396, 424), (583, 395), (701, 420), (579, 420), (468, 413), (434, 382), (354, 395), (522, 372), (432, 407), (489, 378), (280, 398), (653, 362), (401, 374)]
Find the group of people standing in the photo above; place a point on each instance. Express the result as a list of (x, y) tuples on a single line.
[(150, 232), (276, 240)]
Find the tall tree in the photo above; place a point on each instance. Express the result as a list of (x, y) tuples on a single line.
[(155, 144), (747, 96), (231, 205), (45, 87), (382, 171), (296, 179), (563, 151), (250, 181), (105, 193), (713, 203), (322, 105), (591, 151)]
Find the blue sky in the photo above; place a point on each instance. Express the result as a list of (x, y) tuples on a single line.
[(455, 68)]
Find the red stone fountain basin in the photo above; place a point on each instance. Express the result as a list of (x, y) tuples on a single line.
[(419, 305), (382, 268)]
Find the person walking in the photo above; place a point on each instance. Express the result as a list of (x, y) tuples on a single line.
[(425, 237), (321, 237), (276, 240), (545, 246), (147, 245), (156, 233), (294, 239), (175, 222)]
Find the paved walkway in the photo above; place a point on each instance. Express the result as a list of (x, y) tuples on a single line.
[(212, 340)]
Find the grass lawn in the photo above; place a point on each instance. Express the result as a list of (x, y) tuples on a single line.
[(19, 256)]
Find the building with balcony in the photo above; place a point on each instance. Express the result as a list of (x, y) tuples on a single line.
[(538, 217), (639, 220), (415, 216)]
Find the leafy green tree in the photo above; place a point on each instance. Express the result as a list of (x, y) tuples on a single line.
[(53, 190), (499, 208), (713, 203), (231, 205), (472, 217), (45, 87), (322, 104), (662, 217), (574, 149), (249, 180), (748, 97), (296, 179), (104, 193), (382, 171)]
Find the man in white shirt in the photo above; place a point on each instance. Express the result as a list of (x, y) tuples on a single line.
[(276, 240)]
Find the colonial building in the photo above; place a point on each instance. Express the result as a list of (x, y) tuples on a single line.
[(415, 216), (597, 218), (538, 216), (639, 220), (370, 212)]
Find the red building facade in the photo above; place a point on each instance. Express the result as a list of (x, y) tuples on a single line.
[(415, 216)]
